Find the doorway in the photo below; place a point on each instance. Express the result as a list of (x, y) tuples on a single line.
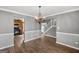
[(19, 35), (18, 27)]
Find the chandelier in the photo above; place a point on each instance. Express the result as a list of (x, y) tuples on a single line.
[(39, 18)]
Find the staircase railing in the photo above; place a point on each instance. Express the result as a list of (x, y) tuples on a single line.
[(51, 24)]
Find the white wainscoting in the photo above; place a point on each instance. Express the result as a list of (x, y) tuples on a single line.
[(30, 35), (6, 40), (50, 36), (68, 39)]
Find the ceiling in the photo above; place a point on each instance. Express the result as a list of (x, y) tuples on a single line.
[(33, 10)]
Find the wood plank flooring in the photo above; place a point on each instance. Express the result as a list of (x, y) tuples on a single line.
[(41, 45)]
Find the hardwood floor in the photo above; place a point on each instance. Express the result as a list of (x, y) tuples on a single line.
[(42, 45)]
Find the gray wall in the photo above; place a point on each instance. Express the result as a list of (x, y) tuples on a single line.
[(6, 22), (7, 28), (31, 24), (68, 28), (68, 22)]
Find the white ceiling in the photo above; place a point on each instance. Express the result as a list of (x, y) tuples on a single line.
[(33, 10)]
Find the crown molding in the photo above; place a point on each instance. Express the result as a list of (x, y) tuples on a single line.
[(11, 11), (67, 11)]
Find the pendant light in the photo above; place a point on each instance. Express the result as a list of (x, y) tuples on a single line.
[(39, 18)]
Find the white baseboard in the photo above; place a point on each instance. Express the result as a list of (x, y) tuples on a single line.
[(3, 38), (33, 39), (67, 39), (50, 36), (32, 31), (1, 48), (67, 45), (6, 47), (24, 41)]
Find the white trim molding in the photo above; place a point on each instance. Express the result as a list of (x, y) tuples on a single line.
[(24, 41), (37, 35), (33, 31), (6, 47), (63, 12), (67, 11), (68, 33), (32, 39), (50, 36), (68, 39), (6, 34), (11, 11), (3, 35), (67, 45)]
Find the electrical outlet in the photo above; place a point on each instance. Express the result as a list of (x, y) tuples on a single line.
[(58, 28), (76, 42)]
